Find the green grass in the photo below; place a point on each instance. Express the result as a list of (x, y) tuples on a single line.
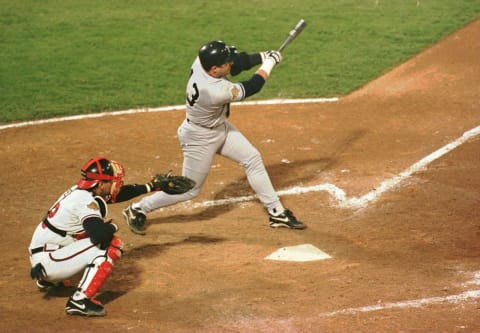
[(73, 57)]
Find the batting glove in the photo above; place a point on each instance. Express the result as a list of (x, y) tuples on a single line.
[(275, 55)]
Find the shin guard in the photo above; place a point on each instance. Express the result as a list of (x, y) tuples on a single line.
[(100, 275), (100, 269)]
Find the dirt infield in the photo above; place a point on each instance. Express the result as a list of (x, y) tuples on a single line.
[(408, 261)]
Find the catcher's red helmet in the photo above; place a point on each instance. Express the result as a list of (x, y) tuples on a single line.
[(98, 169)]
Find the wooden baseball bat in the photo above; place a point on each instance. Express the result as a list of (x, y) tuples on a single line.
[(293, 34)]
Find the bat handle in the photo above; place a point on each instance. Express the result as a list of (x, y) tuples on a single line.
[(280, 49)]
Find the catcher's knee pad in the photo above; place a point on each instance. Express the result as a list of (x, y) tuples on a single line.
[(114, 250)]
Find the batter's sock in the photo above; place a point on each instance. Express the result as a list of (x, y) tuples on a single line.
[(276, 211)]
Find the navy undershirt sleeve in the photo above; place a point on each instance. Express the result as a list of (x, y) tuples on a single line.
[(99, 231), (130, 191), (254, 85)]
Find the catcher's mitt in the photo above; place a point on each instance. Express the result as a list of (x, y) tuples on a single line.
[(171, 184)]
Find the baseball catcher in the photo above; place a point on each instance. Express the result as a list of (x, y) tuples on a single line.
[(75, 234)]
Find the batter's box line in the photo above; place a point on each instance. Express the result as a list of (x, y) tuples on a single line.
[(339, 194)]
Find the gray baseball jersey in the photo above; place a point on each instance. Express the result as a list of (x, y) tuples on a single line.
[(209, 98)]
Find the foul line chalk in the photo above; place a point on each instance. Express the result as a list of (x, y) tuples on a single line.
[(416, 303), (420, 165), (161, 109)]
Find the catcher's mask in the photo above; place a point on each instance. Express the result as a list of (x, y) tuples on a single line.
[(215, 53), (101, 169)]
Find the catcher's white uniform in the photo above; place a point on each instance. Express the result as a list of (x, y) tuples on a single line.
[(74, 235), (67, 250)]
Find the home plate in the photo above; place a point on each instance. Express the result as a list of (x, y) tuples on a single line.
[(303, 252)]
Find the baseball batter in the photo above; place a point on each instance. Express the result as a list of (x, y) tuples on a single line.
[(206, 131), (74, 235)]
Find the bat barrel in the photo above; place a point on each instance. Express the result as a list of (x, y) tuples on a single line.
[(300, 25), (293, 34)]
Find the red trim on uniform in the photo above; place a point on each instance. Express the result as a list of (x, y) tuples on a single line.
[(81, 235), (70, 256)]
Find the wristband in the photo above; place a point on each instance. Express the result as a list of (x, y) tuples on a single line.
[(268, 65)]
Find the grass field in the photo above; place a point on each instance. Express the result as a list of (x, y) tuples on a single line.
[(74, 57)]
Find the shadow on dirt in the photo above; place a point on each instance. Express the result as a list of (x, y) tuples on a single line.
[(127, 274), (283, 175), (153, 250)]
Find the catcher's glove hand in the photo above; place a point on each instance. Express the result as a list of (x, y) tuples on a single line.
[(171, 184)]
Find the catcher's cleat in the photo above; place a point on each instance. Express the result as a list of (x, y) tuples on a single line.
[(85, 307), (135, 220), (286, 220)]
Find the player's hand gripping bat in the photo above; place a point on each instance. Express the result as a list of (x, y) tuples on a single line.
[(293, 34)]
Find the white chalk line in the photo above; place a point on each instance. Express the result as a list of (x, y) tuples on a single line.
[(161, 109), (415, 303), (340, 196)]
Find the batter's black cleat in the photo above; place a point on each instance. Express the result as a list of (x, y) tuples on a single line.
[(135, 220), (85, 307), (286, 220)]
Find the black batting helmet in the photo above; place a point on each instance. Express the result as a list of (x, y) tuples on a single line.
[(215, 53)]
